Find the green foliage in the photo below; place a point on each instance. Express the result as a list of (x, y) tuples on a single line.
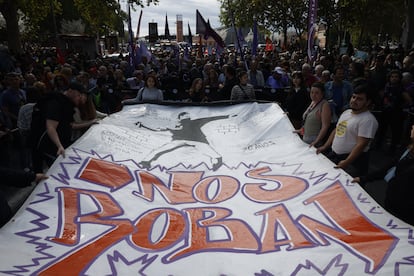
[(362, 18), (42, 16)]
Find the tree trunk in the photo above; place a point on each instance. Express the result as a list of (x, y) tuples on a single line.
[(285, 35), (9, 11), (409, 28), (364, 24)]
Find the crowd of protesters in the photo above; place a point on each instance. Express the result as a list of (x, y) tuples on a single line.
[(314, 93), (171, 75)]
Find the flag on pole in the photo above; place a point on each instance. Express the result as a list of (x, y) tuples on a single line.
[(215, 36), (240, 35), (203, 27), (139, 24), (201, 24), (190, 36), (313, 7), (167, 29), (240, 40), (60, 56), (269, 46), (255, 38), (131, 48)]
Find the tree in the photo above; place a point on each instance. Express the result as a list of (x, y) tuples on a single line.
[(408, 33), (99, 15), (365, 18), (273, 15), (361, 18)]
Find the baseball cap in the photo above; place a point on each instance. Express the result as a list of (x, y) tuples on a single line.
[(278, 70)]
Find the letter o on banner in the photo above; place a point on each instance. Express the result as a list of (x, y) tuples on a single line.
[(172, 232), (226, 187)]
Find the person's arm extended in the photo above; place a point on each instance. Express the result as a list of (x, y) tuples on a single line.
[(139, 124), (51, 126), (84, 124), (362, 142), (135, 100), (328, 142), (19, 178), (326, 122)]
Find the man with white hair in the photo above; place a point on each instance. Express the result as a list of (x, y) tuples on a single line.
[(318, 71), (308, 77)]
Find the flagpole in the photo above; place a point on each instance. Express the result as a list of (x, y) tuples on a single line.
[(139, 25), (131, 37), (312, 13), (200, 47), (237, 37)]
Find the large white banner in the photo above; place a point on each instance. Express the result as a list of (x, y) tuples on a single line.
[(187, 190)]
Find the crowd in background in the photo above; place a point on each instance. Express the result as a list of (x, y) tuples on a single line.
[(171, 75), (314, 94)]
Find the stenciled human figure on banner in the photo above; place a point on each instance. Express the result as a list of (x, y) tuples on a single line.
[(187, 133)]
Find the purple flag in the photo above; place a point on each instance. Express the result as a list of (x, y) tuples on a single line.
[(131, 48), (145, 51), (313, 7), (186, 53), (142, 51), (240, 35)]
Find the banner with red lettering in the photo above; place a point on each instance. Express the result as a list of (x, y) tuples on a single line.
[(201, 190)]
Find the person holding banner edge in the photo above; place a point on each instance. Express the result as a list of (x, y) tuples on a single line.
[(350, 140), (398, 173), (52, 121)]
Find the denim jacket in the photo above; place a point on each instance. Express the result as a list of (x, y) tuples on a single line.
[(347, 91)]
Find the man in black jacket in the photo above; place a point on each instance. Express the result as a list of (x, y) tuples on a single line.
[(51, 127)]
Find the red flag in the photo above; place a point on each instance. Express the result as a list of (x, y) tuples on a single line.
[(60, 56), (269, 45)]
